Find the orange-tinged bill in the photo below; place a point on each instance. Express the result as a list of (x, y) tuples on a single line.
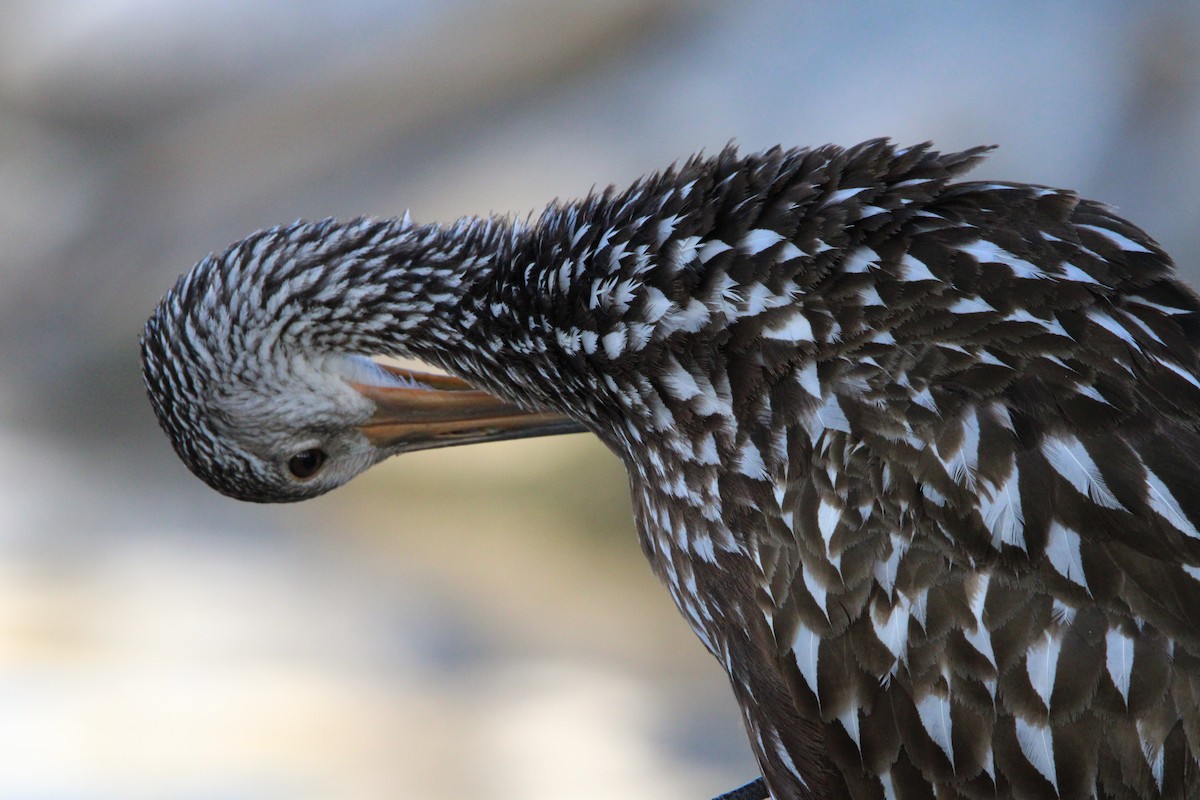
[(440, 411)]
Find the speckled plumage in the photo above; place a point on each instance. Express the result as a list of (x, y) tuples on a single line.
[(916, 459)]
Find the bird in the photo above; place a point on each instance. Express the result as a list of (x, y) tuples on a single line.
[(915, 455)]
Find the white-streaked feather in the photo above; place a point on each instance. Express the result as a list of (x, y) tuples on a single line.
[(1062, 548), (934, 712), (1037, 744), (1041, 664), (1119, 660), (1070, 459)]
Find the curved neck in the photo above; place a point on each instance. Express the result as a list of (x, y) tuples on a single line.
[(429, 276), (364, 287)]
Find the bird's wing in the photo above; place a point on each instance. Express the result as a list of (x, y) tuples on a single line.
[(982, 575)]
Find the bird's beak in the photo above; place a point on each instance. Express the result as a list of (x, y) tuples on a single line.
[(439, 411)]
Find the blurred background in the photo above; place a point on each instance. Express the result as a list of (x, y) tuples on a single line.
[(459, 624)]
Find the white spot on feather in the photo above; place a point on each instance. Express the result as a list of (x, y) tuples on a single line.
[(795, 328), (1114, 327), (666, 226), (710, 401), (1169, 310), (786, 757), (918, 604), (1152, 751), (979, 637), (723, 296), (828, 417), (615, 254), (933, 495), (860, 259), (891, 628), (915, 270), (934, 712), (925, 399), (816, 589), (1002, 514), (569, 340), (1041, 663), (759, 297), (970, 305), (827, 520), (1062, 613), (1071, 460), (1037, 743), (638, 334), (1119, 660), (1141, 323), (599, 291), (1091, 393), (986, 252), (604, 239), (870, 297), (788, 253), (1003, 416), (1062, 548), (1163, 502), (702, 546), (565, 274), (759, 239), (1180, 371), (1120, 240), (678, 382), (841, 195), (962, 466), (623, 294), (889, 788), (711, 249), (1022, 315), (579, 234), (661, 415), (749, 461), (850, 724), (885, 571), (806, 376), (689, 319), (614, 342), (806, 649), (684, 252), (1077, 274)]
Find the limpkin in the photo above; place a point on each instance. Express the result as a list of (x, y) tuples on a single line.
[(915, 456)]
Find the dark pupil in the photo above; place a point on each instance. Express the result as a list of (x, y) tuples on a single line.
[(306, 463)]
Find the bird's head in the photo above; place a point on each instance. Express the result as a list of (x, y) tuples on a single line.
[(257, 362)]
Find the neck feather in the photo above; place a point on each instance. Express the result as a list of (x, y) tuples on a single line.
[(363, 287)]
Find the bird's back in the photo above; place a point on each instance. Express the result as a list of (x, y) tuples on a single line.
[(928, 486)]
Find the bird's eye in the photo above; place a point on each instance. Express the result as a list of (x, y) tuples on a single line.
[(306, 463)]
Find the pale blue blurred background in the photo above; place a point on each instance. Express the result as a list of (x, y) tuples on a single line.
[(473, 624)]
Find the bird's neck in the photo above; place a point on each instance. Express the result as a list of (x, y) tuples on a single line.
[(410, 292), (523, 310)]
